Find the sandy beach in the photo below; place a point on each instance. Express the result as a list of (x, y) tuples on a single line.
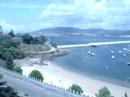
[(58, 76)]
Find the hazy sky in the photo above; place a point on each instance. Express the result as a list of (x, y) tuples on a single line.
[(28, 15)]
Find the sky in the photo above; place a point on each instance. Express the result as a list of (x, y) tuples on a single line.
[(30, 15)]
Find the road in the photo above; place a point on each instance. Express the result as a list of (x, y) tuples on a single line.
[(92, 44), (32, 87)]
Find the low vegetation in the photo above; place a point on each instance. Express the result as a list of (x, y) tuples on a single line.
[(125, 95), (104, 92), (33, 48), (36, 74), (76, 88), (18, 70)]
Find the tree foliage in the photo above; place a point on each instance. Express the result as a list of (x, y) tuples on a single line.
[(9, 50), (41, 39), (76, 88), (36, 74), (104, 92), (11, 33), (28, 39), (8, 59), (1, 30), (18, 70), (1, 76), (53, 44), (126, 95)]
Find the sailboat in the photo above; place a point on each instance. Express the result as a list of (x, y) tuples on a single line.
[(112, 52), (92, 54), (113, 57)]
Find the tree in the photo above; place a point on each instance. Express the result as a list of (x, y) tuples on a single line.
[(27, 38), (36, 74), (126, 95), (42, 39), (76, 88), (1, 76), (9, 49), (1, 30), (104, 92), (18, 70), (9, 60), (17, 54), (53, 44), (11, 33)]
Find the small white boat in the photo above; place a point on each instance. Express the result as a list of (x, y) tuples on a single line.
[(125, 49), (128, 50), (124, 55), (89, 52), (112, 52), (107, 67), (113, 57), (120, 51), (92, 54)]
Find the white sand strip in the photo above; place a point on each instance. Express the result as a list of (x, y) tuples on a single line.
[(64, 78), (92, 44)]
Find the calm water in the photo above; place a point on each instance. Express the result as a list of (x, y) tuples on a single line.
[(101, 64)]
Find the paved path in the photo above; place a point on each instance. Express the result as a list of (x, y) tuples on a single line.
[(32, 87)]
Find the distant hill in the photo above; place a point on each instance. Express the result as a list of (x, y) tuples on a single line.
[(60, 30), (78, 31)]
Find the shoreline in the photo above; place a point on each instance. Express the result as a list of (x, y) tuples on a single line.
[(61, 77), (104, 78)]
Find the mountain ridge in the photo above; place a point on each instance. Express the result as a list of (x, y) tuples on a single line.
[(72, 30)]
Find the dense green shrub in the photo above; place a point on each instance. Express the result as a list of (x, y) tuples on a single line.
[(11, 33), (8, 59), (36, 74), (18, 70), (104, 92), (76, 88), (28, 39)]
